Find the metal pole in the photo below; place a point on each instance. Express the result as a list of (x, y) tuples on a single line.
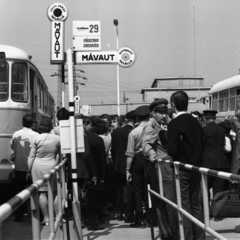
[(51, 207), (34, 200), (151, 211), (179, 201), (205, 197), (75, 203), (118, 85)]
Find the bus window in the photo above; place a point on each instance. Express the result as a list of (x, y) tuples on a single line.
[(4, 83), (237, 99), (215, 102), (19, 82), (232, 99), (223, 101)]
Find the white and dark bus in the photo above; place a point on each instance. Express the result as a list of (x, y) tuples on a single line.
[(22, 91), (224, 97)]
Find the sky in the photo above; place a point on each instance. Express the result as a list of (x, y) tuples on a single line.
[(171, 38)]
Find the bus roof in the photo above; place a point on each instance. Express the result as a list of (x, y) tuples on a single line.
[(228, 83), (13, 52)]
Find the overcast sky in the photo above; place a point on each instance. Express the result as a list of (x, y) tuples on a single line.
[(161, 32)]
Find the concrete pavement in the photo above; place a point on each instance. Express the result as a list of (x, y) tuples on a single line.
[(114, 230)]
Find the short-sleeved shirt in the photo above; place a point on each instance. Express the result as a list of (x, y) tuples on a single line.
[(134, 145), (20, 143)]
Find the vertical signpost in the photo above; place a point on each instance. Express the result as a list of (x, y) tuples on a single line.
[(57, 14)]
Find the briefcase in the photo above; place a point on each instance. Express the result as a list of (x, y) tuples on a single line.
[(92, 196), (226, 204)]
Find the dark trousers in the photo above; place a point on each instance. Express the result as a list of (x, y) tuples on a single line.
[(20, 183), (92, 215), (216, 183), (191, 202), (161, 210), (138, 184), (124, 205)]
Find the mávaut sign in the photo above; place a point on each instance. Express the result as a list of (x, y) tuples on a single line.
[(124, 57)]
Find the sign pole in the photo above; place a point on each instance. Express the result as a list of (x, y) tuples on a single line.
[(118, 85), (75, 202)]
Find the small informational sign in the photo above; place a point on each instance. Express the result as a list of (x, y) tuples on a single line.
[(77, 104), (86, 28), (65, 136), (126, 57), (86, 43), (107, 57), (86, 110)]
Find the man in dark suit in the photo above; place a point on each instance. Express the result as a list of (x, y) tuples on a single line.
[(213, 155), (185, 145), (118, 150)]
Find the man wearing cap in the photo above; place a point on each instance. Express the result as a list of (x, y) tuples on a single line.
[(185, 145), (136, 164), (153, 149), (213, 155), (118, 149)]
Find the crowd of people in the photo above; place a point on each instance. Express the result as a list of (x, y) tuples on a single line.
[(120, 159)]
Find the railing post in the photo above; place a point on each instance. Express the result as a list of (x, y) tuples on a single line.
[(35, 213), (179, 202), (160, 180), (51, 206), (151, 212), (59, 201), (205, 197)]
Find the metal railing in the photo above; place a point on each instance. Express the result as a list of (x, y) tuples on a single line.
[(32, 193), (204, 173)]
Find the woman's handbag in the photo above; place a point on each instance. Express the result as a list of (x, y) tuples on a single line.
[(92, 196), (226, 204)]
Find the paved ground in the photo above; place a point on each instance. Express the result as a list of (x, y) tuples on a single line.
[(114, 230)]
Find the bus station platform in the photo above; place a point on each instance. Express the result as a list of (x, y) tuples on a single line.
[(114, 230)]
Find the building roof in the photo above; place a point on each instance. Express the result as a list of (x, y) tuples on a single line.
[(175, 78), (175, 89)]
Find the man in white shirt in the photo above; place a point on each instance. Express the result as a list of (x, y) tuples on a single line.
[(20, 143)]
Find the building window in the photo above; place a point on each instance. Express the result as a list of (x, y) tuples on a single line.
[(192, 99)]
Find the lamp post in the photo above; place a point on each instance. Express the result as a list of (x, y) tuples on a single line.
[(115, 22)]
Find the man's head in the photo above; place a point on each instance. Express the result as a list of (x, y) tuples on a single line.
[(237, 114), (210, 115), (159, 110), (105, 117), (130, 117), (142, 113), (179, 101), (27, 121)]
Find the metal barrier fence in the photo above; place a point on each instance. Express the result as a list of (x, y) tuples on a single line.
[(32, 193), (204, 173)]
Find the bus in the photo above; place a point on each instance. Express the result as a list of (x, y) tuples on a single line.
[(224, 97), (22, 91)]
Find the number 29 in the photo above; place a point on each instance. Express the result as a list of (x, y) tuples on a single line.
[(94, 28)]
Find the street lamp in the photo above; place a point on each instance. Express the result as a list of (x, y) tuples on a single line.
[(115, 22)]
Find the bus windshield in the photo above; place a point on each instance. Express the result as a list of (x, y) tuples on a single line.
[(19, 82), (4, 83)]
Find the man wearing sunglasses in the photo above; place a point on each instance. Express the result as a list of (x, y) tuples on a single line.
[(153, 148)]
